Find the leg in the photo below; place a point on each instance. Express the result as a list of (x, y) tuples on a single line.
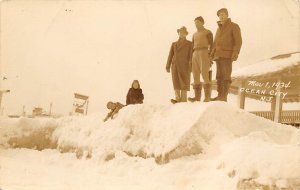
[(205, 66), (197, 90), (227, 70), (177, 96), (219, 77), (183, 96), (196, 69)]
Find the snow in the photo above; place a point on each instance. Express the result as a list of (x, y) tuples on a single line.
[(267, 66), (184, 146)]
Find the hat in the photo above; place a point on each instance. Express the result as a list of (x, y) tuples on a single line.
[(182, 29), (222, 10), (200, 18)]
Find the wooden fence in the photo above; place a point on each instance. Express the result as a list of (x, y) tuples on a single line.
[(287, 117)]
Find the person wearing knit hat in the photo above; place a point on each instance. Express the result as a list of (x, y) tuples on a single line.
[(202, 44), (227, 45), (224, 10), (179, 64)]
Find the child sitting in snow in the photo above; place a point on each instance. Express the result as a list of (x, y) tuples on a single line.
[(135, 94), (114, 107)]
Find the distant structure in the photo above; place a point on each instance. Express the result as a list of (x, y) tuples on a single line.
[(80, 104), (276, 80), (1, 95), (37, 111)]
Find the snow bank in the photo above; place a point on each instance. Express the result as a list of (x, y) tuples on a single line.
[(27, 133), (252, 151)]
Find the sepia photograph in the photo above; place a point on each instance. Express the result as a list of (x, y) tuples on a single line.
[(150, 94)]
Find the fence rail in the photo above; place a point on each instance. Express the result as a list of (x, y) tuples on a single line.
[(289, 117)]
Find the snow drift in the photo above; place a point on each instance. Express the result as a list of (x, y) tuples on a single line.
[(254, 151)]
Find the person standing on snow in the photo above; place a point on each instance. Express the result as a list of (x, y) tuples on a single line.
[(135, 94), (227, 45), (179, 62), (201, 63)]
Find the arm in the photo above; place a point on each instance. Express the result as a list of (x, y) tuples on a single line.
[(213, 48), (108, 116), (169, 62), (141, 96), (210, 39), (115, 111), (191, 56), (237, 38), (128, 97), (192, 49)]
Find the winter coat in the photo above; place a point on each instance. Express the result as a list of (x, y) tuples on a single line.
[(228, 40), (134, 96), (180, 62)]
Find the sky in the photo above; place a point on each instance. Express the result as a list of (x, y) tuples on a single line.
[(53, 49)]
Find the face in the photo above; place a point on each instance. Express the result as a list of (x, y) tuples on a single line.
[(223, 16), (198, 24), (135, 85), (182, 34), (111, 106)]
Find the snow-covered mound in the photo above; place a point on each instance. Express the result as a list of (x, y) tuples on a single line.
[(147, 130), (248, 148)]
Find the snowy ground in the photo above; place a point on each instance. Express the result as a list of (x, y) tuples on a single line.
[(183, 146)]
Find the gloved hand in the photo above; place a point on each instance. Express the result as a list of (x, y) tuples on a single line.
[(234, 56), (168, 69)]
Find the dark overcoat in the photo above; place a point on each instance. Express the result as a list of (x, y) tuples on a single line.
[(134, 96), (228, 40), (179, 61)]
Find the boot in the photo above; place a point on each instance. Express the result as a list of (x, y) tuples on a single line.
[(177, 97), (197, 90), (226, 87), (220, 87), (207, 92), (183, 96)]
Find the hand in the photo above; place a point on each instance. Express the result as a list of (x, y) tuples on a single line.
[(234, 56), (211, 60), (168, 69)]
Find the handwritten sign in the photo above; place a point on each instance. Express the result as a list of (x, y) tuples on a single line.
[(267, 90)]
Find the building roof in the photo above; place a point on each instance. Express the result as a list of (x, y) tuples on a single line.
[(274, 65)]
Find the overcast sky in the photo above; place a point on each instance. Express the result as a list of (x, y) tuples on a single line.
[(51, 49)]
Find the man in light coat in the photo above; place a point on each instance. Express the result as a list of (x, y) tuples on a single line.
[(202, 45), (227, 45), (179, 62)]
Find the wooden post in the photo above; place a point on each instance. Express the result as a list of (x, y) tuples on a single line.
[(273, 104), (23, 111), (1, 94), (241, 94), (50, 110), (87, 107), (278, 105)]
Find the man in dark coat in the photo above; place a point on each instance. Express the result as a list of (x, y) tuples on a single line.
[(227, 45), (179, 61)]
